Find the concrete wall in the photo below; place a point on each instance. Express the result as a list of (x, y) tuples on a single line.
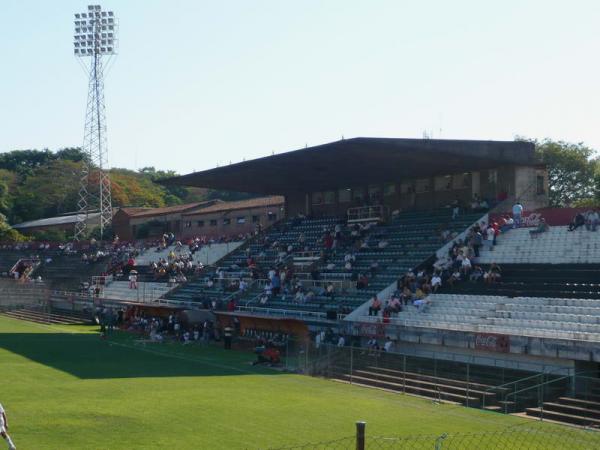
[(451, 340)]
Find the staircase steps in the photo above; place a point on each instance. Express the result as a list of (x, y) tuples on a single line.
[(410, 388), (42, 317)]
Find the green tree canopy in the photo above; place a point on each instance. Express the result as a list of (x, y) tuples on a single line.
[(573, 172)]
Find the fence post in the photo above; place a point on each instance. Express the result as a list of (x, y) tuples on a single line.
[(439, 440), (468, 383), (360, 435), (351, 361)]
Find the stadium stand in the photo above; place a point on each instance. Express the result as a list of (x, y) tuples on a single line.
[(410, 239), (556, 246)]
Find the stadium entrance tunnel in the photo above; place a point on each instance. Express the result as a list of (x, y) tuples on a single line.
[(86, 356)]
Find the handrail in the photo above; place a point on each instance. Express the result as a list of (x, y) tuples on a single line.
[(566, 377), (365, 213), (521, 380)]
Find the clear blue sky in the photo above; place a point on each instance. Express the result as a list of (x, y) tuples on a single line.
[(201, 83)]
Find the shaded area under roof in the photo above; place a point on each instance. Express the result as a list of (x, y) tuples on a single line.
[(359, 161)]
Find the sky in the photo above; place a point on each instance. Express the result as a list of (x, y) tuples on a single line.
[(200, 83)]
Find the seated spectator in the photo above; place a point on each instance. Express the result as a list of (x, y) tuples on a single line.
[(476, 273), (454, 278), (541, 228), (395, 305), (375, 306), (362, 282), (592, 219), (436, 282), (422, 305), (330, 291), (493, 274), (465, 266), (578, 221)]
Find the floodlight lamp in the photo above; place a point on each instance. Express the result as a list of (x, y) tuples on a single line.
[(103, 13), (77, 16), (110, 13), (110, 49), (111, 20), (90, 7), (84, 15)]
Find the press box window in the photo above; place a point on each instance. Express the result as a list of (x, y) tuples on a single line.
[(241, 220), (200, 223), (255, 219), (226, 221), (213, 223)]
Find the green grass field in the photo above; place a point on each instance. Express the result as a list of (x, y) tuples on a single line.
[(65, 388)]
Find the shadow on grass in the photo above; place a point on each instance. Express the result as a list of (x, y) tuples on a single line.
[(87, 356)]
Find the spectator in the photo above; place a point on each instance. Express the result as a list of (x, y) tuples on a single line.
[(133, 280), (541, 228), (477, 241), (591, 220), (493, 274), (375, 306), (389, 344), (578, 221), (436, 282), (517, 211)]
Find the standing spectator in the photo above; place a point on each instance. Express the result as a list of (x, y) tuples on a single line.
[(133, 280), (477, 241), (517, 211)]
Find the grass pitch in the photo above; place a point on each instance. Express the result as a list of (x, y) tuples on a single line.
[(65, 388)]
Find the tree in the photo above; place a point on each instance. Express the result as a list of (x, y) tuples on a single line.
[(23, 162), (573, 174), (50, 190), (8, 234)]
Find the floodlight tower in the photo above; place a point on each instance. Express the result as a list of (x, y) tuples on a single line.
[(95, 42)]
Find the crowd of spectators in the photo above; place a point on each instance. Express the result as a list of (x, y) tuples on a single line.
[(588, 219)]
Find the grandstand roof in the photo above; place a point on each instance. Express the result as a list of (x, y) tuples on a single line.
[(51, 221), (357, 161), (144, 212), (241, 204)]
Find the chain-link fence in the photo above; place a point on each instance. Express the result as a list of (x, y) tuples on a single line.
[(530, 437)]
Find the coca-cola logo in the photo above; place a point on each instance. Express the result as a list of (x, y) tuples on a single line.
[(492, 342), (532, 220)]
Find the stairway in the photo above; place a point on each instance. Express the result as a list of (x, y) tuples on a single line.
[(38, 315), (570, 410)]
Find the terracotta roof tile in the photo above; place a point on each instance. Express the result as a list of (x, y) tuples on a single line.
[(275, 200)]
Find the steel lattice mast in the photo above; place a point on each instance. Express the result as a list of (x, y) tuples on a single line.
[(95, 41)]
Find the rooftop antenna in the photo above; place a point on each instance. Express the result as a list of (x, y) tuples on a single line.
[(94, 41)]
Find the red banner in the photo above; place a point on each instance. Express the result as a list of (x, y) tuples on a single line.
[(492, 342)]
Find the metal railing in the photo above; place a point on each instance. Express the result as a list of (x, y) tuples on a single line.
[(376, 213)]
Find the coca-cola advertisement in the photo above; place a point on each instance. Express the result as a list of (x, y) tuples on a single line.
[(552, 216), (492, 342)]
